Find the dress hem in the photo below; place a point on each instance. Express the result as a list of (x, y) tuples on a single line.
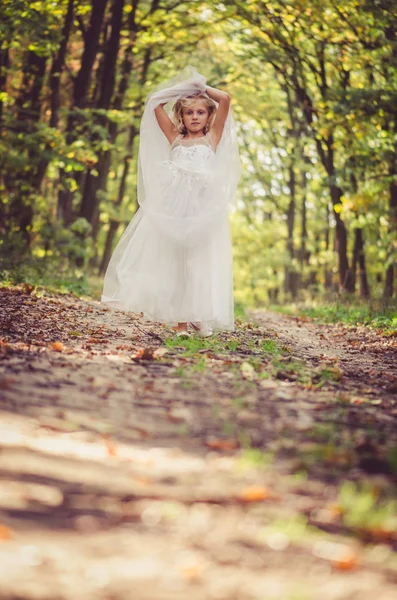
[(116, 304)]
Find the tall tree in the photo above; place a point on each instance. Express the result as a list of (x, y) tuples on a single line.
[(81, 84), (94, 182)]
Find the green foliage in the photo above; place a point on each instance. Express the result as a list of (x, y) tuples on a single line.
[(271, 347), (191, 346), (253, 457), (313, 89), (373, 314), (46, 276), (361, 507), (52, 261)]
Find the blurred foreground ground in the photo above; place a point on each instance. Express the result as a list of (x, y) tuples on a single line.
[(254, 465)]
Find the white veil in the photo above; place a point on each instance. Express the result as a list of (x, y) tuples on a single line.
[(142, 261), (154, 169)]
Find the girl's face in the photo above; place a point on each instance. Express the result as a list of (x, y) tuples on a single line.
[(195, 117)]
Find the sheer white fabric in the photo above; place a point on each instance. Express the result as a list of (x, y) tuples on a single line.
[(174, 261)]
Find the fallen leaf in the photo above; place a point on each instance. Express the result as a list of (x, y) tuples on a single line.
[(144, 354), (27, 288), (110, 446), (143, 481), (5, 533), (341, 557), (221, 444), (226, 363), (335, 509), (192, 572), (57, 346), (254, 493), (346, 561), (357, 400)]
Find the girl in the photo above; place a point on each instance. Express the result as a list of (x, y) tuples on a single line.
[(174, 261)]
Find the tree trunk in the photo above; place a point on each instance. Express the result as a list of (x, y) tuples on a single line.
[(341, 240), (114, 224), (59, 64), (391, 272), (302, 252), (28, 105), (91, 41), (90, 200), (55, 81), (325, 150), (359, 261), (81, 87), (327, 239), (290, 282), (4, 64), (28, 101)]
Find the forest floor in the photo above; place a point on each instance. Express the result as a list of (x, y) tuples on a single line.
[(258, 464)]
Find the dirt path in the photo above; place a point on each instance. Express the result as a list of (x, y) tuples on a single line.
[(368, 361), (136, 467)]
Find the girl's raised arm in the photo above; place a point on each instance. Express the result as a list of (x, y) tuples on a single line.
[(166, 125), (223, 100)]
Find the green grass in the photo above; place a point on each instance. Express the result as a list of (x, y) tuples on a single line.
[(239, 402), (271, 347), (385, 319), (296, 528), (200, 365), (75, 283), (239, 311), (362, 507), (376, 314), (49, 276), (193, 345), (180, 371), (229, 428), (287, 368), (254, 457)]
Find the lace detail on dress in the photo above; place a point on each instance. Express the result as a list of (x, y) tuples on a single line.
[(193, 160), (205, 140), (192, 166)]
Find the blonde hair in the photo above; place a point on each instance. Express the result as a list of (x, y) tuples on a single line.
[(183, 103)]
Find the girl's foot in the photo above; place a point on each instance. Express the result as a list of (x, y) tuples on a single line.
[(202, 330), (205, 331), (183, 333), (182, 330)]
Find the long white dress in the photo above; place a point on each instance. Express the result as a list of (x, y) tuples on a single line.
[(174, 261), (168, 279)]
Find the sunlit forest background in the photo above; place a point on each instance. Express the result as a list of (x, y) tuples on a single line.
[(314, 94)]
